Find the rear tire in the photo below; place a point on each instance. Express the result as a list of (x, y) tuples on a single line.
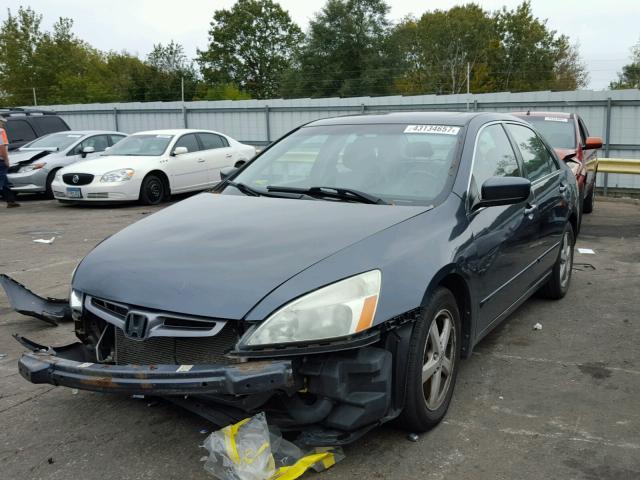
[(432, 365), (152, 190), (587, 206), (558, 284)]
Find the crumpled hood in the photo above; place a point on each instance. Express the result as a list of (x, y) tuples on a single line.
[(27, 156), (563, 152), (219, 255)]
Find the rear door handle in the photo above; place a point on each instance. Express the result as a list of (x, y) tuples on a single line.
[(563, 188), (228, 155), (201, 160), (530, 209)]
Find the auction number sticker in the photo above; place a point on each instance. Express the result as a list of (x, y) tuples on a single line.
[(556, 119), (441, 129)]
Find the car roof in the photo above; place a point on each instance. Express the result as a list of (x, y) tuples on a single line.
[(87, 132), (175, 131), (420, 118), (543, 114)]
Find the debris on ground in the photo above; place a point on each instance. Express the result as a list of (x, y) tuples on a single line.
[(43, 240), (247, 450), (50, 460), (537, 326), (204, 430), (74, 391), (2, 355), (413, 437), (587, 251)]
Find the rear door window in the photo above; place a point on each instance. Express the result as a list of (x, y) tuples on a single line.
[(19, 131), (49, 124), (538, 161), (212, 141)]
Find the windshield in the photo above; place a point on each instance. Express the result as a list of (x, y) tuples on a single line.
[(558, 131), (400, 164), (58, 141), (141, 145)]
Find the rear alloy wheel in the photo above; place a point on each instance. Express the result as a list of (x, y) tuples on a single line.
[(434, 354), (558, 284), (152, 191)]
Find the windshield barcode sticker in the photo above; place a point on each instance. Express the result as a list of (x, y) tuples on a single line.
[(441, 129), (556, 119)]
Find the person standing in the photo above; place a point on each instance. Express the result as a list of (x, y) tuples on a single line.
[(7, 194)]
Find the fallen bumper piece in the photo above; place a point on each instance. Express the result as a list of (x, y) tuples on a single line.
[(65, 367), (24, 301)]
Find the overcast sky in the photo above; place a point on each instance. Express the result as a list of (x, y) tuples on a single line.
[(605, 30)]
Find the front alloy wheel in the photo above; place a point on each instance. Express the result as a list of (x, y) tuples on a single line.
[(439, 359), (432, 365)]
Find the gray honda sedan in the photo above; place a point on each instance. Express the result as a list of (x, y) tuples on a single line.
[(34, 166)]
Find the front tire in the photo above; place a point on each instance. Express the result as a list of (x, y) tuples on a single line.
[(558, 284), (432, 366), (152, 190), (48, 191)]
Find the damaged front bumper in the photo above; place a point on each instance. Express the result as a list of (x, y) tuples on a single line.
[(66, 366), (23, 300)]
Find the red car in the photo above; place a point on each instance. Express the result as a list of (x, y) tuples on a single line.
[(568, 135)]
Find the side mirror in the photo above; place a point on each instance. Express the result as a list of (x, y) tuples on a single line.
[(239, 163), (180, 151), (504, 191), (87, 150), (593, 143), (226, 172)]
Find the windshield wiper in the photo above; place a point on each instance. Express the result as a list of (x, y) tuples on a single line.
[(246, 189), (332, 192)]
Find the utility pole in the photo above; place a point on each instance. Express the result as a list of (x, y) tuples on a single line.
[(35, 100), (182, 88), (468, 78)]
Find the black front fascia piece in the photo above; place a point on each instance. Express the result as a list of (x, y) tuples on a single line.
[(24, 301), (64, 367)]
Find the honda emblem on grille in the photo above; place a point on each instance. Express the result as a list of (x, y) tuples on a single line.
[(75, 179), (135, 325)]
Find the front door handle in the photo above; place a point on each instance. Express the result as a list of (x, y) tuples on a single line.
[(530, 209), (201, 160), (228, 155), (563, 188)]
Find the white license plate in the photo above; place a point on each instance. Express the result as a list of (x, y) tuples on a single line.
[(74, 193)]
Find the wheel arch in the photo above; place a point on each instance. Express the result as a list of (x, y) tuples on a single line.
[(449, 278), (165, 179)]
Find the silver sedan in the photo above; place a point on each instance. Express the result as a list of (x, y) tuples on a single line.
[(34, 166)]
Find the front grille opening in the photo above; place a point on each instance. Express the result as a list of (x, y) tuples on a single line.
[(110, 307), (188, 324), (177, 351)]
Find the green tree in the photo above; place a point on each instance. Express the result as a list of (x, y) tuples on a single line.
[(533, 57), (169, 67), (435, 50), (250, 46), (19, 37), (345, 52), (630, 75)]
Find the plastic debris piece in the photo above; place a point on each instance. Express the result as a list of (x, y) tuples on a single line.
[(42, 240), (587, 251), (2, 355), (247, 450), (50, 460), (501, 397), (74, 391), (537, 326), (204, 430), (138, 397), (413, 437)]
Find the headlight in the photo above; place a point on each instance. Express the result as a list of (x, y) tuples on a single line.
[(58, 177), (339, 309), (75, 302), (31, 167), (118, 175)]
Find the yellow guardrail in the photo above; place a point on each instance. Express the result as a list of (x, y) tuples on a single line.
[(619, 165)]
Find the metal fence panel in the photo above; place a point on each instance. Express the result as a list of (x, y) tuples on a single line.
[(259, 122)]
